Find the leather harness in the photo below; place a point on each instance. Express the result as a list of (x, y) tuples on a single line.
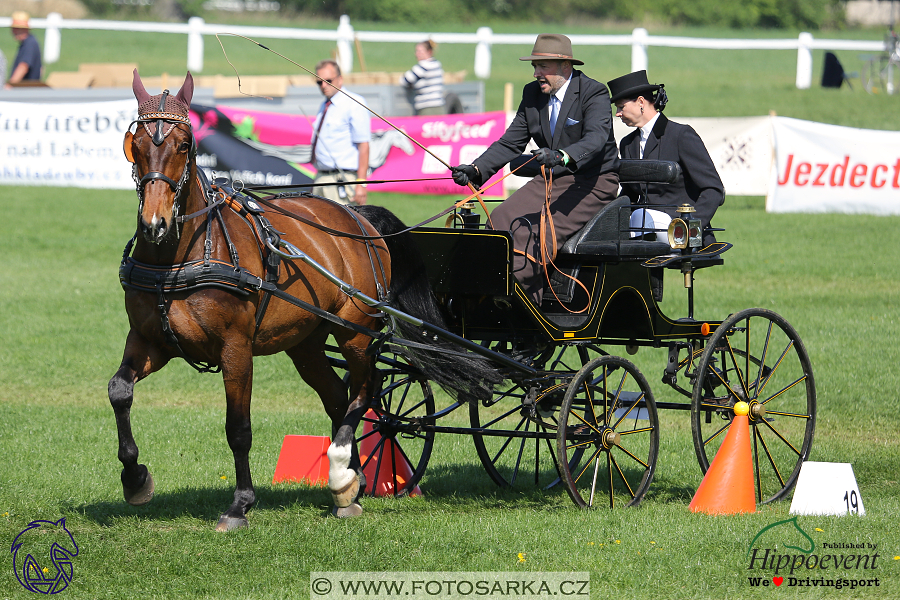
[(211, 273)]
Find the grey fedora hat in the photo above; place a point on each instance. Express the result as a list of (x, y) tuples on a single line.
[(552, 46)]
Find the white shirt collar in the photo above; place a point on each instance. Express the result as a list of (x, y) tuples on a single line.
[(648, 127), (645, 132)]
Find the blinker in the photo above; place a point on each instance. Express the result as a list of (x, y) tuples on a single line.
[(129, 140)]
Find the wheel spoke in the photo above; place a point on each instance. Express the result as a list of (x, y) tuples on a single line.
[(717, 433), (621, 474), (782, 438), (638, 460), (769, 456), (783, 390), (639, 398), (775, 368)]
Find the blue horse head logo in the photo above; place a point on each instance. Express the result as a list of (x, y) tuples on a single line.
[(42, 556)]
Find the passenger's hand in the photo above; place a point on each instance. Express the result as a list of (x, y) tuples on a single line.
[(549, 158), (464, 174)]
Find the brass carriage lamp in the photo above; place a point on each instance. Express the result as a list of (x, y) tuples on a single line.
[(685, 235), (695, 236)]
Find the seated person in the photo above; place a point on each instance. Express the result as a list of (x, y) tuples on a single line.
[(640, 104), (564, 111)]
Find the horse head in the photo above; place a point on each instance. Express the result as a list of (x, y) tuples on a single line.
[(162, 149)]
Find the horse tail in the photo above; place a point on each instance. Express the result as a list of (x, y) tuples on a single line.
[(463, 376)]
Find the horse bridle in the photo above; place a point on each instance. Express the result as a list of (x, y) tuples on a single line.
[(158, 137)]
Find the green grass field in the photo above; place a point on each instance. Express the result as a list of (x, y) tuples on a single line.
[(62, 328)]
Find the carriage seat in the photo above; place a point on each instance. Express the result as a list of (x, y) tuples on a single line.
[(607, 234)]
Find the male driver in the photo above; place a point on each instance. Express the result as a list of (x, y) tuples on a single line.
[(27, 64), (567, 115), (340, 143), (639, 104)]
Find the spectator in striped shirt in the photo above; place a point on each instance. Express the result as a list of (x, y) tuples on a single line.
[(426, 79)]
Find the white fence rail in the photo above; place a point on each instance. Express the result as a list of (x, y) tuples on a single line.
[(484, 38)]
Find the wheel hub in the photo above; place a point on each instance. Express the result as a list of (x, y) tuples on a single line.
[(757, 411), (611, 438)]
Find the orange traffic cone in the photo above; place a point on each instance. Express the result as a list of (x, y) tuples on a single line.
[(727, 487), (303, 459), (392, 461)]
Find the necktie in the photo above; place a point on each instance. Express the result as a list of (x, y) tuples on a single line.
[(312, 160), (554, 113)]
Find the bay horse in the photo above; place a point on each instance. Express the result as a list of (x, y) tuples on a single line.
[(194, 275)]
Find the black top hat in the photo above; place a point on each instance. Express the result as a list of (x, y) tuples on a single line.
[(552, 46), (630, 86)]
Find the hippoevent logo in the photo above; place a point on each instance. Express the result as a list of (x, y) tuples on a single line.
[(42, 556), (784, 554)]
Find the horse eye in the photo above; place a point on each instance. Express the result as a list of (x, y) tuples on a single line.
[(184, 147)]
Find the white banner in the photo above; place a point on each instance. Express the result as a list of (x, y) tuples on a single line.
[(77, 144), (741, 148), (828, 168)]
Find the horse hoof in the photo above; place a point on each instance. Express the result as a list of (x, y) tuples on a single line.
[(354, 510), (142, 495), (347, 496), (231, 523)]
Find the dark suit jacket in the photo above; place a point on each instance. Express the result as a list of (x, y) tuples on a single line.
[(699, 185), (583, 130)]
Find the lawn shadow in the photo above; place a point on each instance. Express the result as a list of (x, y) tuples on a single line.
[(447, 485), (206, 503)]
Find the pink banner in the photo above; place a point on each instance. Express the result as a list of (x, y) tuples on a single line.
[(456, 139)]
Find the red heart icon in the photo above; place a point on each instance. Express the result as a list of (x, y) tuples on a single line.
[(777, 580)]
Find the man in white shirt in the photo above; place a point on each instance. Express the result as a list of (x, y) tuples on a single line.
[(341, 136)]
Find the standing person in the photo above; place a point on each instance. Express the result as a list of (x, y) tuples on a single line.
[(27, 64), (640, 104), (427, 79), (340, 143), (567, 114)]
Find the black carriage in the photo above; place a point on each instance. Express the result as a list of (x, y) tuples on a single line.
[(571, 409)]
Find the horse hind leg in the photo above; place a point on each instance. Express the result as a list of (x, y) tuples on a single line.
[(345, 478), (138, 362)]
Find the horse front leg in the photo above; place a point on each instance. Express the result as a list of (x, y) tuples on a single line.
[(237, 374), (139, 360)]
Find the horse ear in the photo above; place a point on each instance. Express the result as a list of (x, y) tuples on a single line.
[(187, 90), (139, 91), (129, 152)]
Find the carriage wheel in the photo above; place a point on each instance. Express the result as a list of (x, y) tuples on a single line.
[(608, 439), (388, 436), (514, 459), (755, 356)]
